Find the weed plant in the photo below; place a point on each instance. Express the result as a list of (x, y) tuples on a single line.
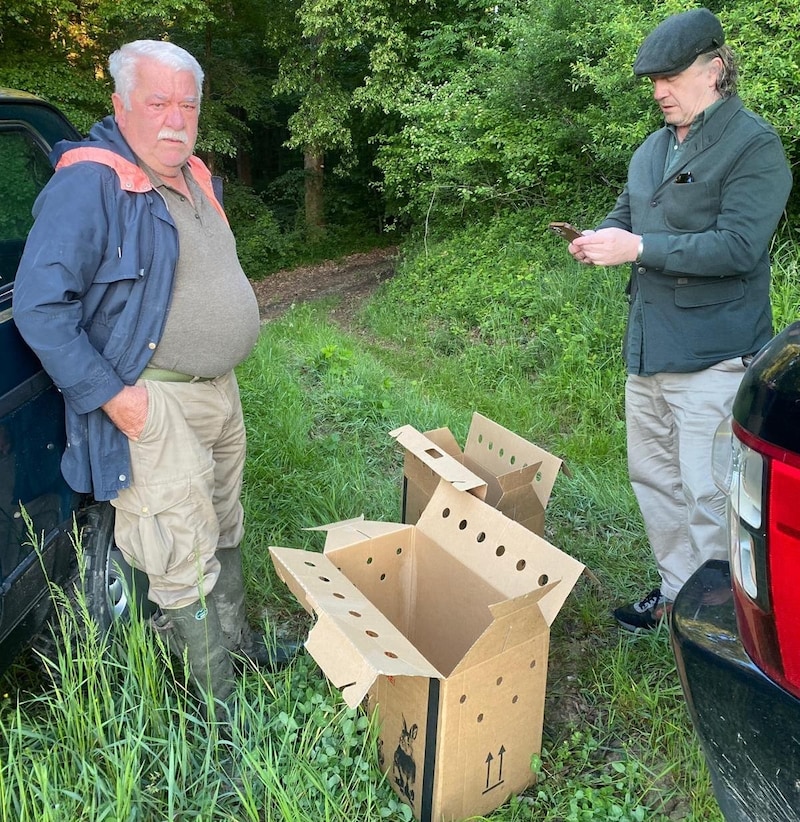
[(115, 734), (496, 320)]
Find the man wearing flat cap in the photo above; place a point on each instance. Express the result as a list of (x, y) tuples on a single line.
[(703, 197)]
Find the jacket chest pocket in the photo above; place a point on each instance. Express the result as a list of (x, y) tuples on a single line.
[(114, 303), (692, 206)]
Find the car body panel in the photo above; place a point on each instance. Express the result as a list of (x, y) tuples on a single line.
[(748, 725), (36, 505)]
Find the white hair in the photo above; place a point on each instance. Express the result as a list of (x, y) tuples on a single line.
[(123, 62)]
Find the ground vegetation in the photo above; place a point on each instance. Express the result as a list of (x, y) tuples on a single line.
[(451, 148)]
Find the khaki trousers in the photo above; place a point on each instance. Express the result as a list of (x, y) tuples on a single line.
[(186, 479), (671, 420)]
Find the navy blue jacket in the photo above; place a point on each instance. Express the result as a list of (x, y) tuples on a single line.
[(93, 290)]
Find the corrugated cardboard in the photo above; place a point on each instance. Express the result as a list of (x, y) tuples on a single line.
[(511, 474), (444, 626)]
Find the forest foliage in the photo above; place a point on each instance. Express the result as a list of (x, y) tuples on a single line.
[(398, 114)]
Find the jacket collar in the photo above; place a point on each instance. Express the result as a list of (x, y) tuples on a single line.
[(105, 144)]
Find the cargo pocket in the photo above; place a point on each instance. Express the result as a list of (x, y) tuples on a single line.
[(150, 522)]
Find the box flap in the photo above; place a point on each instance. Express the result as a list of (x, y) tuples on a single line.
[(514, 622), (352, 531), (501, 451), (507, 555), (352, 641), (438, 458), (444, 438)]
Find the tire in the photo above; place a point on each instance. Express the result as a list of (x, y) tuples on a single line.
[(109, 582)]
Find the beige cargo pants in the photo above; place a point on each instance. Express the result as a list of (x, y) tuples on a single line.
[(186, 479)]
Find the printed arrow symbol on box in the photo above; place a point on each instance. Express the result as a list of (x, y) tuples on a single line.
[(489, 760)]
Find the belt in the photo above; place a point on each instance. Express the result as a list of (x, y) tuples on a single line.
[(164, 375)]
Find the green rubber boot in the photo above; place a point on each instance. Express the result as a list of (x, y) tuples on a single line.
[(239, 637), (196, 629)]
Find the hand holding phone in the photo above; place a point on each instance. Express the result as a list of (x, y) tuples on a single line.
[(565, 230)]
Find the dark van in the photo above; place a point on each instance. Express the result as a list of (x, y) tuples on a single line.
[(41, 518)]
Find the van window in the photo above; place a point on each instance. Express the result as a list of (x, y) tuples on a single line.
[(26, 169)]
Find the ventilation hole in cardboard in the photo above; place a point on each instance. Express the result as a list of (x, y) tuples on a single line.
[(324, 579), (521, 565), (513, 459), (480, 437), (445, 513), (398, 551), (533, 663), (499, 680), (462, 525), (500, 550), (369, 560), (355, 614), (480, 717), (501, 452), (490, 446), (390, 654), (372, 634), (338, 595), (463, 699), (544, 579), (514, 699), (310, 564), (383, 577), (482, 536)]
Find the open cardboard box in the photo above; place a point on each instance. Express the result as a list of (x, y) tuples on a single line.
[(444, 626), (508, 472)]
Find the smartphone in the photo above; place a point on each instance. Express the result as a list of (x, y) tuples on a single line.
[(565, 230)]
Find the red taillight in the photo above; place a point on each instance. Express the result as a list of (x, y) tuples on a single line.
[(765, 558), (783, 543)]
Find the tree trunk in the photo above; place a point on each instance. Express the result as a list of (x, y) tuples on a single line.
[(314, 197), (244, 166)]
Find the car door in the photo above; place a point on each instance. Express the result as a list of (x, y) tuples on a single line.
[(34, 499)]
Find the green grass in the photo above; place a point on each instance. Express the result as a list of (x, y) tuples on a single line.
[(497, 321)]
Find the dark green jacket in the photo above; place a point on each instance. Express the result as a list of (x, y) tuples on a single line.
[(700, 293)]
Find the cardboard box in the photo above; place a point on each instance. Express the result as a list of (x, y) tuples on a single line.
[(444, 626), (508, 472)]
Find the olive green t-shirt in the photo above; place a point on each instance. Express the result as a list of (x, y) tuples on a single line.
[(213, 320)]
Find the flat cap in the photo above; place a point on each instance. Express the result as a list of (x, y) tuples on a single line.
[(675, 44)]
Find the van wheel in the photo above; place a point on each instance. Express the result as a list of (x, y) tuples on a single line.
[(109, 582)]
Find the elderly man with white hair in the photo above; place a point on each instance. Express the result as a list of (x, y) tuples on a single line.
[(131, 294)]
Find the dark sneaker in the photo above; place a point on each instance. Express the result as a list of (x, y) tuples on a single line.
[(645, 614), (269, 654)]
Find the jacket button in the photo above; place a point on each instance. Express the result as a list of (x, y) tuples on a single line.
[(151, 346), (122, 478), (654, 203), (641, 269)]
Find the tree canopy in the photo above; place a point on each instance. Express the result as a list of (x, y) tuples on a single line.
[(380, 111)]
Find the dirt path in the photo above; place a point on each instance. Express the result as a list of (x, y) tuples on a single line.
[(351, 279)]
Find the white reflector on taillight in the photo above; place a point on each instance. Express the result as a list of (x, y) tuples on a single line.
[(747, 483), (746, 480), (722, 456), (743, 563)]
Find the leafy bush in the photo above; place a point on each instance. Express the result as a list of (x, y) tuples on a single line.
[(541, 108), (260, 243)]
